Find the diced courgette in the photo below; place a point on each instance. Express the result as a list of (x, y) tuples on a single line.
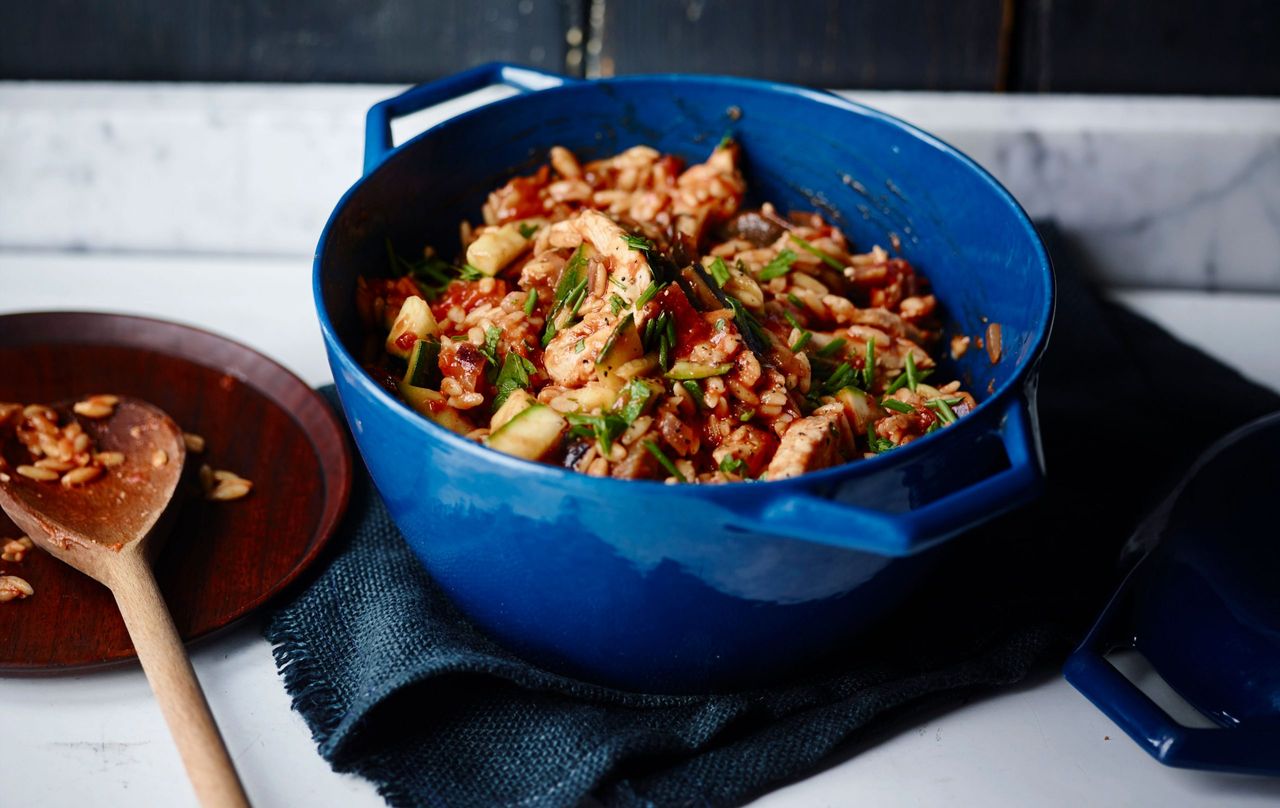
[(415, 318), (861, 408), (517, 402), (532, 433), (431, 404), (685, 369), (424, 368), (498, 246)]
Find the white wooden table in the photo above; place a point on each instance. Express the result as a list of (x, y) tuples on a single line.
[(98, 739)]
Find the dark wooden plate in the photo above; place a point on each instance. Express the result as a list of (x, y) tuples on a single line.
[(222, 559)]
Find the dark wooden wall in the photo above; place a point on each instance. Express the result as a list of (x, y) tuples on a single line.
[(1148, 46)]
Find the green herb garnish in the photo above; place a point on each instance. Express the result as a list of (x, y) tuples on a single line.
[(791, 318), (876, 443), (470, 273), (639, 243), (719, 272), (695, 391), (638, 395), (900, 406), (732, 464), (779, 266), (649, 293), (570, 280), (747, 415), (580, 346), (616, 303), (725, 141), (795, 301), (843, 376), (662, 458), (809, 248), (514, 375), (605, 428), (945, 412), (527, 229), (831, 348), (802, 341), (490, 347), (746, 321), (869, 367), (530, 302)]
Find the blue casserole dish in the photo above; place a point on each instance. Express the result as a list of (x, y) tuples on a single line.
[(662, 588)]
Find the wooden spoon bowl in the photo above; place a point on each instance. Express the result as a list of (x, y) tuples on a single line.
[(109, 529)]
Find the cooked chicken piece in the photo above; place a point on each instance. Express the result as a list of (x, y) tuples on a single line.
[(812, 443), (566, 363), (543, 271), (630, 272), (749, 444)]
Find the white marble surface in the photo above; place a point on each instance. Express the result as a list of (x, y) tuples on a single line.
[(1162, 193), (98, 739)]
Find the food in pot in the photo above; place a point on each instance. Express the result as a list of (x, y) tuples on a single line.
[(628, 317)]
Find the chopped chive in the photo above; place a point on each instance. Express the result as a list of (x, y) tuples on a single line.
[(809, 248), (580, 346), (664, 359), (720, 326), (932, 428), (695, 391), (896, 384), (618, 284), (671, 331), (945, 412), (616, 303), (649, 293), (746, 415), (912, 377), (791, 318), (795, 301), (530, 302), (799, 344), (470, 273), (719, 272), (639, 243), (527, 229), (579, 295), (900, 406), (831, 347), (662, 458), (869, 368), (779, 266)]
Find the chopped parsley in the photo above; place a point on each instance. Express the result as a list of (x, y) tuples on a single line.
[(661, 456), (719, 272), (732, 464), (809, 248), (876, 443), (639, 243), (490, 347), (747, 415), (638, 396), (527, 229), (616, 303), (514, 375), (580, 346), (530, 301), (605, 428), (779, 266)]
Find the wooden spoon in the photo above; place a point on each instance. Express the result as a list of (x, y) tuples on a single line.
[(110, 529)]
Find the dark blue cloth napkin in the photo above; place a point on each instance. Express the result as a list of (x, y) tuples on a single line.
[(398, 688)]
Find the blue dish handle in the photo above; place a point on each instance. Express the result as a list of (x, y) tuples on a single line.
[(806, 515), (377, 132), (1231, 749)]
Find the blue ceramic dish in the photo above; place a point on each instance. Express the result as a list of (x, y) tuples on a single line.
[(679, 588), (1203, 608)]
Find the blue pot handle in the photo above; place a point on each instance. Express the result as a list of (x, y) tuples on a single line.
[(377, 133), (1233, 749), (808, 516)]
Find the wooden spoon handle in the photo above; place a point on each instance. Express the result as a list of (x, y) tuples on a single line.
[(173, 680)]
